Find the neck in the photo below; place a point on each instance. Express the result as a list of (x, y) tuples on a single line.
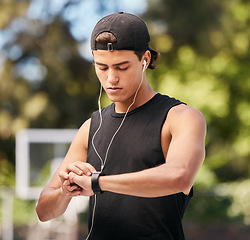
[(144, 95)]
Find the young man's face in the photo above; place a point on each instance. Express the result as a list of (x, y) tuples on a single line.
[(119, 72)]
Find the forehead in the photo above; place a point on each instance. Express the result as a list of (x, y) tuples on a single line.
[(113, 57)]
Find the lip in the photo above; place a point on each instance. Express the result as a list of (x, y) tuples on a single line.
[(113, 90)]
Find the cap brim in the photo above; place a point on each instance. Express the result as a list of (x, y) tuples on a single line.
[(152, 50)]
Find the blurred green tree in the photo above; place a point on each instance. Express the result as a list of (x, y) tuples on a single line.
[(205, 62), (44, 82)]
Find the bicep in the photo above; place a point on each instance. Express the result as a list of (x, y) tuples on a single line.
[(187, 147)]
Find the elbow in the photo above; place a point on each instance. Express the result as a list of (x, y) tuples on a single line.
[(40, 211), (44, 213), (40, 216), (187, 174), (185, 185), (49, 207), (184, 181)]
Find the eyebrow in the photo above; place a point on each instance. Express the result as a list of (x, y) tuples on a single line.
[(116, 64)]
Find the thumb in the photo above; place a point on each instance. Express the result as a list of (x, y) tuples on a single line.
[(63, 175)]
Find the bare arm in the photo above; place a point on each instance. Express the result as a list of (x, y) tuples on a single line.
[(54, 199), (187, 129)]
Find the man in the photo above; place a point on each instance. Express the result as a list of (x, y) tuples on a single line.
[(136, 158)]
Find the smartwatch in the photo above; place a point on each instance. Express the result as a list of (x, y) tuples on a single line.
[(95, 182)]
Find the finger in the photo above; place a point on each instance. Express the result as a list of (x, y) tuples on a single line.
[(78, 188), (77, 180), (90, 168), (74, 193), (74, 187), (86, 168), (73, 177), (70, 187), (72, 167), (65, 186), (81, 192)]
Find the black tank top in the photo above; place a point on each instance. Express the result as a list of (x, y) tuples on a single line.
[(136, 147)]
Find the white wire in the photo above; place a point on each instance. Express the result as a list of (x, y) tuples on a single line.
[(100, 124), (118, 129), (111, 141), (93, 217)]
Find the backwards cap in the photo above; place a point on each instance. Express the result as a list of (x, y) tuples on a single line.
[(130, 31)]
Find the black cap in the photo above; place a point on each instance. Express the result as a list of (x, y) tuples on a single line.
[(130, 31)]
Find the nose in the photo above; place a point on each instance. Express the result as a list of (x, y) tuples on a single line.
[(112, 77)]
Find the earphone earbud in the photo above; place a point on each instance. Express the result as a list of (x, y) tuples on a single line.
[(144, 65)]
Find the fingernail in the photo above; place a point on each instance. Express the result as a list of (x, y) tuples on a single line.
[(80, 172), (89, 173)]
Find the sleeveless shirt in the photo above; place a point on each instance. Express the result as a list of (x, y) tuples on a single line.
[(137, 146)]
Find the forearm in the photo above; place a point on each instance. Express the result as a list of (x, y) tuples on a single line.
[(52, 204), (155, 182)]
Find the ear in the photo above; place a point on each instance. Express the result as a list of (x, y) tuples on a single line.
[(146, 59)]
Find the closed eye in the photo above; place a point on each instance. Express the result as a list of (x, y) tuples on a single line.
[(103, 68), (122, 68)]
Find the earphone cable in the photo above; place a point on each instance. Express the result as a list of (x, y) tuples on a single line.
[(118, 129), (103, 163), (92, 220), (99, 127)]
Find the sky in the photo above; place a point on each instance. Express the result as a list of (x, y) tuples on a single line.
[(81, 15)]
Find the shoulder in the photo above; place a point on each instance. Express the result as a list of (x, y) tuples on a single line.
[(85, 126), (183, 117), (183, 110), (82, 135)]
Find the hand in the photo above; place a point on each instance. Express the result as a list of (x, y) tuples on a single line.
[(83, 182), (78, 168)]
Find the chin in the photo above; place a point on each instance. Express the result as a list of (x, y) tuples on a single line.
[(119, 98), (114, 99)]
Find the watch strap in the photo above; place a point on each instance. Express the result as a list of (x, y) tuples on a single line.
[(95, 182)]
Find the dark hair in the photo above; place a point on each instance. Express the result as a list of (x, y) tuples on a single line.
[(107, 37)]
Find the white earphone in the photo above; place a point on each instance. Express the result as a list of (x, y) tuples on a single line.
[(144, 65)]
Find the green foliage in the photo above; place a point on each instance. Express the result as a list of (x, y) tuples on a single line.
[(60, 94), (23, 211), (205, 62), (7, 173)]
